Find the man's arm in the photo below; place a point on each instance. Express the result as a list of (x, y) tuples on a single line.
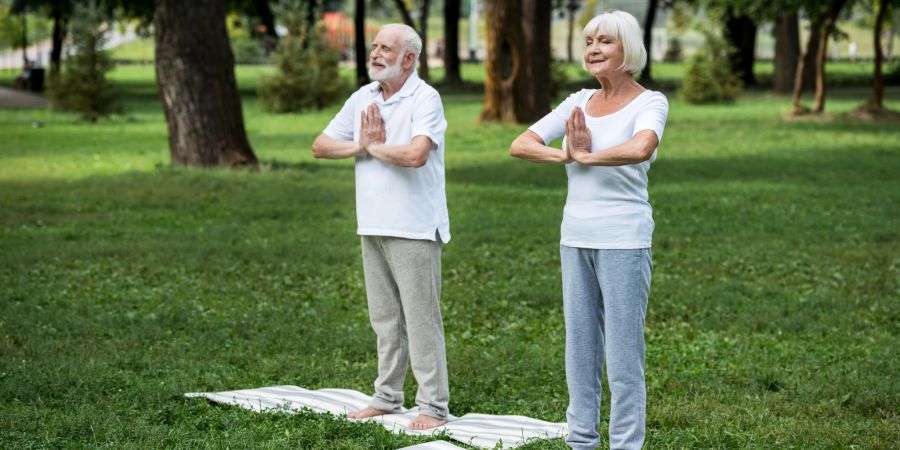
[(414, 154), (329, 148)]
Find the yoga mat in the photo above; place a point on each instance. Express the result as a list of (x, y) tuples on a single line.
[(479, 430)]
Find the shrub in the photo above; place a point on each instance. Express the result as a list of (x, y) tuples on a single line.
[(307, 76), (82, 86), (709, 77)]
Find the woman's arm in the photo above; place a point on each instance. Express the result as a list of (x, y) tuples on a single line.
[(635, 150), (530, 147)]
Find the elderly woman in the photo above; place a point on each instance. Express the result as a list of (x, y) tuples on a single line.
[(611, 135)]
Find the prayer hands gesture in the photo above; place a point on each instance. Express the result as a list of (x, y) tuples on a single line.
[(578, 137), (371, 129)]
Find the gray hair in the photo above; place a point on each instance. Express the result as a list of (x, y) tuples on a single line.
[(412, 43)]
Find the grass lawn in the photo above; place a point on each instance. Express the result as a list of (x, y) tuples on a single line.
[(124, 283)]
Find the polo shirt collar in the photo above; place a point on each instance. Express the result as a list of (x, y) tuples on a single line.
[(409, 87)]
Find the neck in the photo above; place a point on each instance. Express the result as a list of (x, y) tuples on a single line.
[(392, 86), (616, 84)]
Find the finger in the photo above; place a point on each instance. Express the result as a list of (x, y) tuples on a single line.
[(579, 118), (364, 120)]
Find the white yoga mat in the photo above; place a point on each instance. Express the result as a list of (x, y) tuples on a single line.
[(479, 430)]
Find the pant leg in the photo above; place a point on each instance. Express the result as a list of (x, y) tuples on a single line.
[(386, 317), (584, 345), (417, 271), (624, 277)]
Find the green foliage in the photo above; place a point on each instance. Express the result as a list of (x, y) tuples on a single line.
[(307, 75), (709, 77), (247, 50), (10, 29), (82, 86)]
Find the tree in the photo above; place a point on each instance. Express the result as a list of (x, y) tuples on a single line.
[(823, 21), (517, 70), (647, 74), (787, 52), (875, 105), (452, 74), (359, 26), (195, 77), (740, 31), (59, 11), (83, 87), (569, 8)]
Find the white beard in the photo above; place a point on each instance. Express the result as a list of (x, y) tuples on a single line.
[(388, 73)]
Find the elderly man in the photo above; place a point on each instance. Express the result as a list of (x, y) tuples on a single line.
[(394, 127)]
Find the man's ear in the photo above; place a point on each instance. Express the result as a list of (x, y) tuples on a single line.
[(409, 60)]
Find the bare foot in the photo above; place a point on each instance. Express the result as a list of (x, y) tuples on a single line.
[(423, 422), (365, 413)]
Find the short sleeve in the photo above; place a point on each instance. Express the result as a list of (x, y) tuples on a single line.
[(553, 125), (341, 126), (652, 115), (428, 119)]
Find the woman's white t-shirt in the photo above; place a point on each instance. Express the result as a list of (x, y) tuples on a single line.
[(607, 206)]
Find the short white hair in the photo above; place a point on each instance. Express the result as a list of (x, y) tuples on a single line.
[(625, 28), (412, 43)]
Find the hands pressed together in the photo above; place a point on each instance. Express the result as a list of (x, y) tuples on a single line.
[(371, 130), (578, 137)]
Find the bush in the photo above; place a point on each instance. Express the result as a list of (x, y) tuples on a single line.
[(82, 86), (248, 50), (307, 76), (709, 77)]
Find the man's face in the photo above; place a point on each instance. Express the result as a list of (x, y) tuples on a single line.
[(386, 56)]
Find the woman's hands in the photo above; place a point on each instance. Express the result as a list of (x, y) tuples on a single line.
[(578, 137), (371, 128)]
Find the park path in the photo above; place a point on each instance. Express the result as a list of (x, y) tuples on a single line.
[(10, 98)]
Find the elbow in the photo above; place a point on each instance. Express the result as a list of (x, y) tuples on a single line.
[(317, 149), (418, 161), (515, 149)]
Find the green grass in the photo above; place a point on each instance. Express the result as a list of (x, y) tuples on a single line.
[(773, 318)]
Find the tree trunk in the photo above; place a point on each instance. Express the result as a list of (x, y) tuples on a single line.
[(806, 60), (787, 52), (424, 73), (826, 29), (647, 74), (518, 60), (59, 35), (740, 30), (359, 26), (452, 73), (195, 77), (809, 71), (878, 84), (571, 8), (404, 13)]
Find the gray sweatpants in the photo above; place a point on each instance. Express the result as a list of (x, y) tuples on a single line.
[(403, 286), (605, 301)]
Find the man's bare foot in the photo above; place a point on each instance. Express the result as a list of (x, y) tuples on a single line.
[(423, 422), (365, 413)]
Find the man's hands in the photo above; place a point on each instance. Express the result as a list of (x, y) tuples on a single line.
[(578, 137), (371, 129)]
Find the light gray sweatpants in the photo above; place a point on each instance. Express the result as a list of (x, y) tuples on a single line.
[(605, 296), (403, 286)]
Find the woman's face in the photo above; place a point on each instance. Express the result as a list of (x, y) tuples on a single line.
[(603, 54)]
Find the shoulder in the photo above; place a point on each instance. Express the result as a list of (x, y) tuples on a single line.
[(657, 97), (577, 98)]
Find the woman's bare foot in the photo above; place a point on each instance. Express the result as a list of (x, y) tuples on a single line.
[(365, 413), (423, 422)]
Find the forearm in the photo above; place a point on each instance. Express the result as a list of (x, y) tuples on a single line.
[(531, 148), (329, 148), (414, 154), (634, 151)]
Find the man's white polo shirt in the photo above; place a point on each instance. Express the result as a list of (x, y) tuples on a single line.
[(392, 200)]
